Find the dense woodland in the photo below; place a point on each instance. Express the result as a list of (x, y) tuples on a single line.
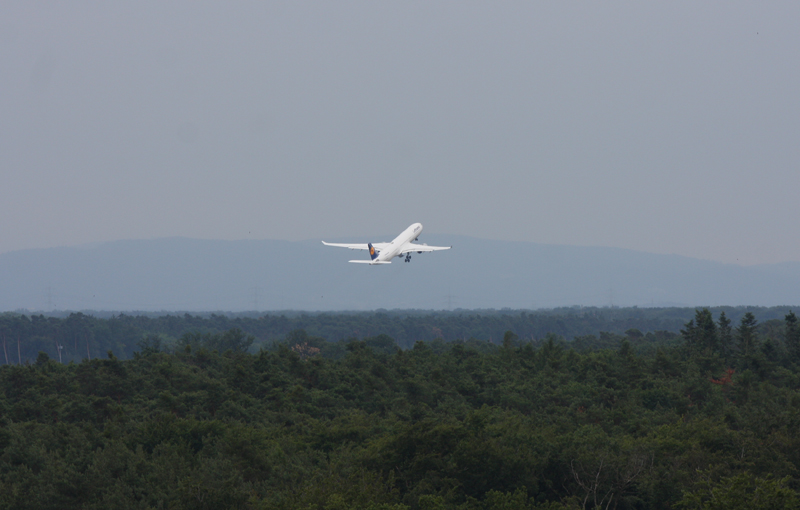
[(214, 413), (78, 336)]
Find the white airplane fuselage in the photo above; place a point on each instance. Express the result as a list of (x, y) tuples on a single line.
[(394, 249), (383, 253)]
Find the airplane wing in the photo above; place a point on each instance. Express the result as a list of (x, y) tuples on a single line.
[(357, 246), (419, 248)]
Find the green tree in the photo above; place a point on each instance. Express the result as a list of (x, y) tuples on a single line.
[(234, 340), (4, 328), (725, 334), (509, 339), (747, 334), (743, 491), (792, 332), (700, 333)]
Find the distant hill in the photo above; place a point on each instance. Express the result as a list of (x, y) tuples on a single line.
[(201, 275)]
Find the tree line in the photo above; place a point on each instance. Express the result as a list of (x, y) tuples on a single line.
[(705, 418), (77, 336)]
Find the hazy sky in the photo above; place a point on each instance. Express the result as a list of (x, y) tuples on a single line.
[(669, 127)]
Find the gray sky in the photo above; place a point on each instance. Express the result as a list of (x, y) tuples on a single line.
[(669, 127)]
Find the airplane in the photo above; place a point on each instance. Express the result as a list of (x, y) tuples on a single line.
[(383, 253)]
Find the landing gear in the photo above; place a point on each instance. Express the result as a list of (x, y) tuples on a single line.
[(408, 257)]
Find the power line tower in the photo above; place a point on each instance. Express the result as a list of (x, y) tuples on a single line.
[(255, 298), (450, 298)]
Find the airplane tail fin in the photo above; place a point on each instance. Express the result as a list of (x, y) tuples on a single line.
[(373, 253)]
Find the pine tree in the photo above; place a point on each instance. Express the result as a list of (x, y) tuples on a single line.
[(700, 333), (725, 334), (747, 334), (792, 333)]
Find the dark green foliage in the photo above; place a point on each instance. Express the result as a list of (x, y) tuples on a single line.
[(743, 491), (617, 419), (700, 333), (725, 335), (792, 333), (77, 336), (746, 333), (234, 340)]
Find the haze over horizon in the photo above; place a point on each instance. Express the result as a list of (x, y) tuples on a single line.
[(180, 274), (663, 128)]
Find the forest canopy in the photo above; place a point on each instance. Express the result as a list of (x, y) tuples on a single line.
[(706, 417), (73, 336)]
